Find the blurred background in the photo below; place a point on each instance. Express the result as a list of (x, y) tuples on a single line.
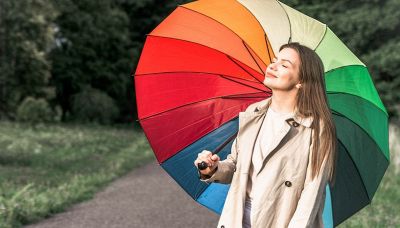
[(67, 101)]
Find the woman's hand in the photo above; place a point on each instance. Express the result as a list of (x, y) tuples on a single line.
[(210, 159)]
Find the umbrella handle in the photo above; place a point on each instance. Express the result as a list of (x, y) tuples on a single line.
[(202, 165)]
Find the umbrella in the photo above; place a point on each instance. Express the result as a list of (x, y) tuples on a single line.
[(205, 63)]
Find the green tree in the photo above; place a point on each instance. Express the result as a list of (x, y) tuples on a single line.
[(93, 50), (26, 36), (92, 105)]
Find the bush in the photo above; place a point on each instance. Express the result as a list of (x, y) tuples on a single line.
[(92, 105), (34, 110)]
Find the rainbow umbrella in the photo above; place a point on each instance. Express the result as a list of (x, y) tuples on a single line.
[(205, 63)]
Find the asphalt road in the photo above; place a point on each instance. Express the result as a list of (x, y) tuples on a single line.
[(146, 197)]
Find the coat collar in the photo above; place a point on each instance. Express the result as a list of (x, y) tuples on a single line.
[(263, 106)]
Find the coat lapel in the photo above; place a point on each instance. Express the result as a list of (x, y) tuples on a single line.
[(249, 128), (275, 143), (285, 128)]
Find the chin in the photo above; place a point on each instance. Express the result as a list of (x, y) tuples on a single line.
[(268, 84)]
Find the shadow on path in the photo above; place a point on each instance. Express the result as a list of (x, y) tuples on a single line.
[(146, 197)]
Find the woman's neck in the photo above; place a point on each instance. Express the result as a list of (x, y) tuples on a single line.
[(283, 102)]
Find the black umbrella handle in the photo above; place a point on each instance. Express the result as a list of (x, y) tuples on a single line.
[(203, 165)]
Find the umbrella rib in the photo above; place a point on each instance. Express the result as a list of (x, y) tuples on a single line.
[(353, 65), (234, 96), (223, 25), (334, 112), (358, 171), (349, 94), (218, 149), (174, 38), (244, 44), (362, 129), (226, 142), (265, 38), (230, 78), (326, 29), (197, 121), (222, 76), (290, 24), (266, 41), (230, 58), (202, 189), (193, 72), (337, 68), (265, 35)]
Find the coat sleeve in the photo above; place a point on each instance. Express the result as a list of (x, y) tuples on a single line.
[(225, 168), (311, 198)]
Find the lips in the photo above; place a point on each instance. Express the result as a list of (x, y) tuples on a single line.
[(270, 75)]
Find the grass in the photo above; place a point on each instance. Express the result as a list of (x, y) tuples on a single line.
[(46, 168), (385, 207)]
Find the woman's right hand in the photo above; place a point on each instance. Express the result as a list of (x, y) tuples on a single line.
[(209, 158)]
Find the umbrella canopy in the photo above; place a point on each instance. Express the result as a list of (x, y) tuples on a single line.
[(205, 63)]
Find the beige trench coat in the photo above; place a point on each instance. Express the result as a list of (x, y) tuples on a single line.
[(285, 195)]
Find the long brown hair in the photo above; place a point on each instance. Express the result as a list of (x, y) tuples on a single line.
[(312, 101)]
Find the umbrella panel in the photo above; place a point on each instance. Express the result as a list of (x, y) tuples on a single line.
[(334, 53), (181, 167)]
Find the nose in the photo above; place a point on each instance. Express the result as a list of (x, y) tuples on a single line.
[(272, 66)]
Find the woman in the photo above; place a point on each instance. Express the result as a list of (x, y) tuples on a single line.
[(285, 150)]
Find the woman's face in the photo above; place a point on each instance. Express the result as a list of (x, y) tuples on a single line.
[(283, 72)]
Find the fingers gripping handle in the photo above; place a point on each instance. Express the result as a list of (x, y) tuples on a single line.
[(203, 165)]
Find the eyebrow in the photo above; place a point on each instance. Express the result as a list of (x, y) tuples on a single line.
[(284, 60), (288, 61)]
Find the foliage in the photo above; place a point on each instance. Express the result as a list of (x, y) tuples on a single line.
[(93, 49), (48, 168), (26, 35), (34, 110), (92, 105), (54, 49)]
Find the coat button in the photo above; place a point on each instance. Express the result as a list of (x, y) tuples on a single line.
[(288, 183), (222, 226)]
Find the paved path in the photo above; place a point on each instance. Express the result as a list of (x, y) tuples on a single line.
[(146, 197)]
